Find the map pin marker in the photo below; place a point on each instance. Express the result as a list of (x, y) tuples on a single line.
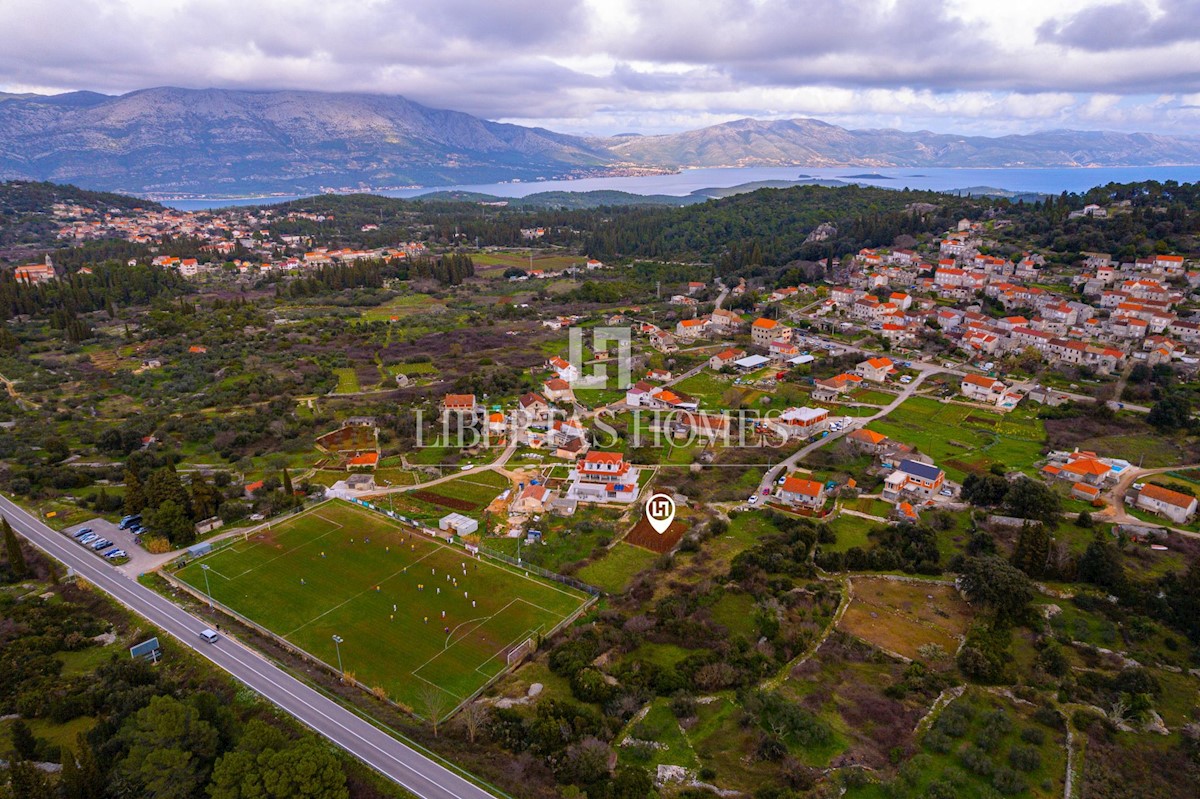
[(660, 512)]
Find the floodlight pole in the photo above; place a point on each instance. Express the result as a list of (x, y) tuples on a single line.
[(337, 644), (207, 588)]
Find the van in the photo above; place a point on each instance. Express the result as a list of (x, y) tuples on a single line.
[(209, 636)]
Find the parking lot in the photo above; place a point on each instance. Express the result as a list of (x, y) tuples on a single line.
[(106, 529)]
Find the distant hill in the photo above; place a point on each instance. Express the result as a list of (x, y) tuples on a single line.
[(218, 142), (812, 143)]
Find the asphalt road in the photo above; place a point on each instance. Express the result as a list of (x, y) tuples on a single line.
[(415, 772)]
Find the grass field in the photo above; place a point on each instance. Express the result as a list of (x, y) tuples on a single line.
[(342, 570), (962, 439), (347, 380), (615, 570)]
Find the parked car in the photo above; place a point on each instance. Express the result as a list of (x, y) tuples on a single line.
[(753, 499), (101, 544), (130, 521), (82, 533), (115, 553), (89, 538), (946, 492)]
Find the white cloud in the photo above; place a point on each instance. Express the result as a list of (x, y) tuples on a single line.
[(606, 66)]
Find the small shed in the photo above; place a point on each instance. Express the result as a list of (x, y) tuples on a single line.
[(458, 524)]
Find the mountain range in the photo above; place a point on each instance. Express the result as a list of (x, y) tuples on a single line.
[(219, 142)]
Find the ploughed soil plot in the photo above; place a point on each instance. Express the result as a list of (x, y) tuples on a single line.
[(644, 536), (354, 438), (901, 617), (339, 569)]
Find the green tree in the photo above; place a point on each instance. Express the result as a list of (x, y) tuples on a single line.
[(13, 551), (288, 490), (987, 490), (81, 778), (172, 521), (1032, 549), (206, 500), (27, 781), (169, 749), (1172, 412), (24, 742), (1031, 499), (996, 583), (1100, 564), (266, 765), (163, 485), (135, 495)]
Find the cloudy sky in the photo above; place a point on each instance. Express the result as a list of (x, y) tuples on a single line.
[(611, 66)]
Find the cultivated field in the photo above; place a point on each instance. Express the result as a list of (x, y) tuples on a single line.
[(962, 439), (343, 570)]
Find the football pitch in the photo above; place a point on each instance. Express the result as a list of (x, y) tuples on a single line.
[(413, 613)]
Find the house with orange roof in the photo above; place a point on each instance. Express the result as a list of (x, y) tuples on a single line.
[(34, 273), (603, 477), (564, 368), (867, 440), (1084, 491), (725, 358), (763, 331), (691, 329), (832, 387), (801, 492), (558, 390), (875, 369), (982, 389), (364, 460), (1174, 505)]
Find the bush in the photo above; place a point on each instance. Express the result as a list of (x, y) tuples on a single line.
[(977, 761), (1032, 735), (1025, 758), (1009, 782)]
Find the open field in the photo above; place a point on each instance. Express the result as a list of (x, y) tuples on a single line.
[(403, 306), (347, 380), (964, 440), (901, 617), (342, 570), (617, 568)]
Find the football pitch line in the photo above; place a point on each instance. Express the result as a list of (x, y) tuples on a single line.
[(285, 553), (402, 570)]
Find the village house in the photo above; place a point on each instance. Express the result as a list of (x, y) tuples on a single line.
[(558, 390), (801, 492), (764, 331), (534, 408), (725, 358), (913, 477), (875, 369), (867, 441), (800, 423), (461, 405), (723, 321), (832, 387), (982, 389), (691, 329), (1174, 505), (565, 369), (603, 477), (532, 499)]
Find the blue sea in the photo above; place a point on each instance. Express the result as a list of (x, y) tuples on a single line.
[(1043, 181)]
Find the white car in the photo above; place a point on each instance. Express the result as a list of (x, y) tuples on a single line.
[(753, 499)]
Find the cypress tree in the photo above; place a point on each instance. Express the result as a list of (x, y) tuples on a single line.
[(16, 557)]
